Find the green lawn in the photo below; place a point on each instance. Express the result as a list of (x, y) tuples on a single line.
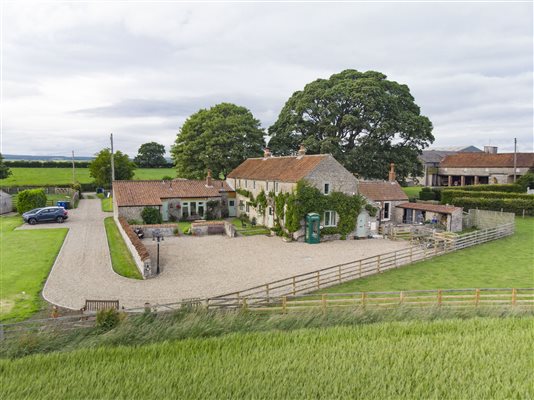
[(249, 230), (440, 359), (121, 259), (25, 261), (412, 191), (107, 204), (61, 176), (504, 263)]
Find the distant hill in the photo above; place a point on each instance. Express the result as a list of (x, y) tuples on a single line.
[(23, 157)]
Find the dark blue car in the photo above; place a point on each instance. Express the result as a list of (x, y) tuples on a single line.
[(45, 214)]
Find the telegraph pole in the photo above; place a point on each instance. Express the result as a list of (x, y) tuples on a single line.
[(515, 158), (73, 170), (112, 163)]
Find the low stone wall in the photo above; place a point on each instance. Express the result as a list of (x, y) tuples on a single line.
[(201, 228), (485, 219), (137, 248), (165, 230)]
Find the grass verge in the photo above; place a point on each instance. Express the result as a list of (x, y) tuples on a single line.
[(26, 258), (249, 230), (121, 259), (408, 359), (107, 204), (504, 263)]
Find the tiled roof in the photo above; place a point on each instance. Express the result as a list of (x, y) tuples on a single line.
[(439, 208), (381, 190), (503, 160), (150, 193), (282, 169)]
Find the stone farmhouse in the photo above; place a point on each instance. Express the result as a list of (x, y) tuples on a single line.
[(177, 199), (281, 174), (431, 159)]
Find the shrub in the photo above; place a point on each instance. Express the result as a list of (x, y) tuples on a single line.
[(428, 193), (507, 205), (134, 222), (167, 178), (526, 181), (449, 196), (107, 319), (151, 215), (507, 187), (29, 199)]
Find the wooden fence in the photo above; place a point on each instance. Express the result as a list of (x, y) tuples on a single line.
[(447, 298), (437, 244)]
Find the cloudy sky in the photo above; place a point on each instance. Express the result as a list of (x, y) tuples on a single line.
[(74, 72)]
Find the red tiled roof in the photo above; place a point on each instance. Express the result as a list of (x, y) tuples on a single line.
[(381, 190), (150, 193), (503, 160), (282, 169), (439, 208)]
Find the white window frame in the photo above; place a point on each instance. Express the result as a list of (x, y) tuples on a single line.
[(276, 187), (324, 188), (267, 186), (384, 218), (331, 221)]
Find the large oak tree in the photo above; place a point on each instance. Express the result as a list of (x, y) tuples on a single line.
[(151, 155), (361, 118), (218, 139)]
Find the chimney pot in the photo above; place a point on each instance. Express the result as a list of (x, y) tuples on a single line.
[(208, 179)]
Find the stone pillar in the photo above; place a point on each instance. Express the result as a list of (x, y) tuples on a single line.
[(462, 180), (449, 182), (476, 179)]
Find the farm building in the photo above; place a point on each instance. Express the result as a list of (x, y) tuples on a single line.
[(6, 204), (177, 199), (281, 174), (431, 159), (487, 167)]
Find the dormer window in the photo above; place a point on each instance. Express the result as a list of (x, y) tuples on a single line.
[(326, 188)]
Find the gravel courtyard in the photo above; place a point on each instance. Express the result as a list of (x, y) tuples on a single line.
[(213, 265), (191, 266)]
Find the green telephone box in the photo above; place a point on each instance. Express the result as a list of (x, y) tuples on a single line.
[(313, 228)]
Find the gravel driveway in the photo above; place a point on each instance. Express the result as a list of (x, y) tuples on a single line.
[(191, 266)]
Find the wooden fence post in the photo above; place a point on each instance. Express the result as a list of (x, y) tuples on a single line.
[(439, 297), (245, 305), (318, 280), (395, 259), (477, 297), (378, 264), (364, 296), (401, 297), (360, 270), (323, 301), (514, 296), (267, 292), (294, 287), (284, 304), (339, 273)]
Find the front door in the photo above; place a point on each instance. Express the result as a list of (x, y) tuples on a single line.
[(165, 211), (231, 208), (362, 230)]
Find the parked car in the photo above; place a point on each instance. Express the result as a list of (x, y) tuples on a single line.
[(58, 214)]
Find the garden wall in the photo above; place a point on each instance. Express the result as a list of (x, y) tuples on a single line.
[(136, 247)]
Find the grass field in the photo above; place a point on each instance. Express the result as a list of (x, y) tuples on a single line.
[(442, 359), (62, 176), (121, 259), (504, 263), (25, 261), (412, 191)]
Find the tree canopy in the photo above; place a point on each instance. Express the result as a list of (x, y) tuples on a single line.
[(218, 139), (4, 169), (151, 155), (100, 167), (364, 120)]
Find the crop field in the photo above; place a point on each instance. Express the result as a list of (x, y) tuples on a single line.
[(445, 359), (63, 176), (504, 263), (25, 261)]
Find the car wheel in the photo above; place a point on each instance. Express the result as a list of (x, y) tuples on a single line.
[(32, 221), (59, 220)]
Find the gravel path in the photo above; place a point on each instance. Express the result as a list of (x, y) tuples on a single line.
[(191, 266)]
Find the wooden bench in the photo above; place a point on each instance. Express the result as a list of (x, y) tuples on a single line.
[(97, 305)]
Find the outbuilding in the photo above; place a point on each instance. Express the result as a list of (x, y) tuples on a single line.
[(418, 213), (6, 204)]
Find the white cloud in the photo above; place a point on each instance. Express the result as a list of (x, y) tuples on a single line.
[(72, 73)]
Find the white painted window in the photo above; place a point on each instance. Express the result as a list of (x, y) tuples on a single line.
[(270, 210), (386, 211), (330, 218), (276, 187), (326, 188)]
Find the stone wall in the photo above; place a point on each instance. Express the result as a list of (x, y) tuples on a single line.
[(202, 228), (332, 172), (485, 219), (165, 230), (131, 213)]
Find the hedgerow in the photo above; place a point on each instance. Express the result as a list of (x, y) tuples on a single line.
[(29, 199), (507, 205), (448, 196)]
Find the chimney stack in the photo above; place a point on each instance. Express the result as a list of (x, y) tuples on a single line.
[(266, 153), (208, 179), (490, 149), (302, 151), (392, 176)]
